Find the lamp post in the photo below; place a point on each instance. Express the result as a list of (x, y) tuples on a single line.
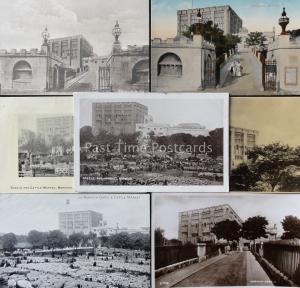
[(116, 32), (283, 22)]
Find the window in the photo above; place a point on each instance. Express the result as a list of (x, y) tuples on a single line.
[(22, 71)]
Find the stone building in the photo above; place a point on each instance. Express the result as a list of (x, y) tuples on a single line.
[(117, 117), (241, 141), (71, 50), (283, 61), (196, 225), (223, 16), (182, 64)]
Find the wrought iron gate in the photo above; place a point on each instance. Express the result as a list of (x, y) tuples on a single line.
[(209, 73), (104, 81), (269, 75)]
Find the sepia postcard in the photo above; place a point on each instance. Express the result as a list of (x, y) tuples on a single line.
[(239, 47), (225, 240), (37, 136), (63, 46), (70, 240), (265, 144), (139, 142)]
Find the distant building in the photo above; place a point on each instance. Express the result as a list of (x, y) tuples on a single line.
[(59, 126), (71, 50), (241, 141), (194, 129), (117, 117), (79, 222), (223, 16), (108, 231), (196, 225)]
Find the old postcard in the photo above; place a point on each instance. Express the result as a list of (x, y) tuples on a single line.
[(53, 240), (62, 46), (265, 144), (134, 142), (37, 136), (205, 240), (240, 47)]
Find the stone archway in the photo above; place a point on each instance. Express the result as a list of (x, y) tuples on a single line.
[(169, 64), (22, 71), (140, 72)]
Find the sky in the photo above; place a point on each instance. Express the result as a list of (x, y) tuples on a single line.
[(207, 112), (273, 207), (21, 213), (276, 118), (257, 15), (22, 22)]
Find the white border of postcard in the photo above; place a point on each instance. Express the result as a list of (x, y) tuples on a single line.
[(140, 188)]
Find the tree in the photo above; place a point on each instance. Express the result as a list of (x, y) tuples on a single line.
[(242, 178), (86, 135), (76, 239), (159, 237), (255, 38), (291, 227), (228, 230), (37, 239), (9, 241), (56, 239), (254, 228)]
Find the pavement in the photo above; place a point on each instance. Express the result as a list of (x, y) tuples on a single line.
[(235, 269)]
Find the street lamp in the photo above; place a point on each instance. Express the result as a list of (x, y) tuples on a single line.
[(116, 32), (45, 36), (283, 22)]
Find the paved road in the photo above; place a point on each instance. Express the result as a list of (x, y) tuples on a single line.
[(235, 269)]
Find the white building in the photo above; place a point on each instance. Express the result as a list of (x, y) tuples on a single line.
[(182, 64)]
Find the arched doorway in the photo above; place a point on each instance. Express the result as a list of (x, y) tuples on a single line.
[(209, 72), (55, 77), (22, 71), (140, 72), (169, 64)]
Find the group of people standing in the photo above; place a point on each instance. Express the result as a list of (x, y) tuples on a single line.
[(236, 69)]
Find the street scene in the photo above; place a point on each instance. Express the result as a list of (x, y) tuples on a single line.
[(251, 240), (45, 145), (59, 47), (244, 48), (79, 242), (264, 148), (134, 141)]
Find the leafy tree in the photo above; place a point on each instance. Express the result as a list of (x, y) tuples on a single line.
[(242, 178), (9, 241), (120, 240), (86, 135), (76, 239), (37, 239), (291, 227), (254, 227), (227, 229), (159, 237), (255, 38), (56, 239)]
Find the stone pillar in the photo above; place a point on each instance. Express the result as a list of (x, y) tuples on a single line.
[(201, 251)]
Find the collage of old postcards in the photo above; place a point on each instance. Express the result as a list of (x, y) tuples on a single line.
[(149, 143)]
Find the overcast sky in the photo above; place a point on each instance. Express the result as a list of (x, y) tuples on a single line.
[(276, 118), (257, 15), (207, 112), (21, 213), (273, 207), (22, 22)]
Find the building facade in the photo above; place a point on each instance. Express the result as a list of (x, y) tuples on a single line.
[(58, 126), (194, 129), (79, 222), (241, 141), (71, 50), (182, 64), (117, 117), (223, 16), (196, 225)]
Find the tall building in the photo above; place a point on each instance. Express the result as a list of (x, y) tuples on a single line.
[(196, 225), (223, 16), (241, 141), (50, 127), (117, 117), (71, 50), (79, 222)]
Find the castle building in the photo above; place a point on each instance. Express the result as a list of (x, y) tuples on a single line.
[(79, 222), (241, 141), (223, 16), (117, 117), (59, 126), (196, 225)]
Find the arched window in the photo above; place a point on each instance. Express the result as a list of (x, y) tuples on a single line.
[(169, 64), (140, 72), (22, 71)]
